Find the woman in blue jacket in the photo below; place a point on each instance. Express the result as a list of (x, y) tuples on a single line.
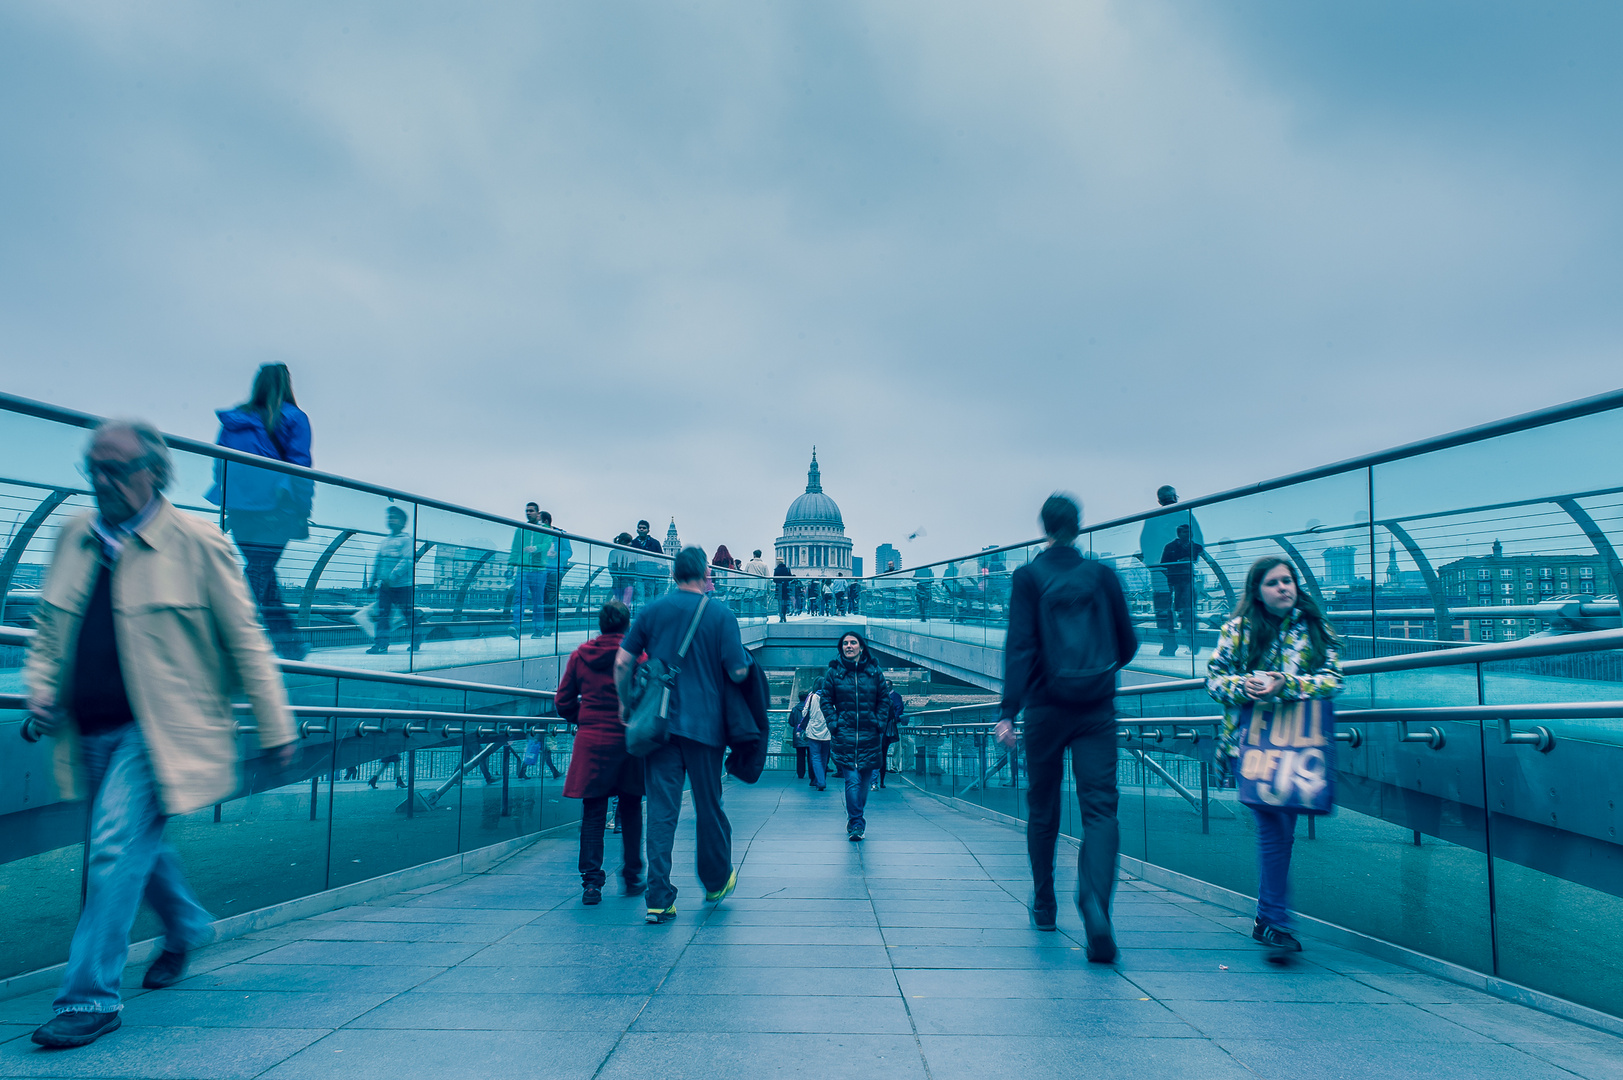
[(265, 509)]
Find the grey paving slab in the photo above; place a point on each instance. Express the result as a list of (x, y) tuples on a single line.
[(1254, 986), (986, 957), (1068, 1018), (369, 953), (1509, 1023), (369, 979), (789, 1013), (1394, 1022), (429, 914), (717, 933), (970, 937), (595, 954), (819, 982), (1104, 1057), (628, 979), (250, 1009), (477, 933), (1593, 1061), (160, 1053), (426, 1011), (1091, 982), (734, 1056), (785, 956), (1325, 1059), (361, 1054)]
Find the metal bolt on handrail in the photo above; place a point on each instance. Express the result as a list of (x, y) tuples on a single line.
[(247, 729), (448, 730), (1352, 736), (310, 727), (364, 728), (411, 728)]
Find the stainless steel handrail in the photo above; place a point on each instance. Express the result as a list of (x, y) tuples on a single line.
[(13, 635)]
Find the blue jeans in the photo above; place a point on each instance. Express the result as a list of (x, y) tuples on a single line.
[(1276, 831), (819, 761), (857, 783), (531, 586), (128, 859)]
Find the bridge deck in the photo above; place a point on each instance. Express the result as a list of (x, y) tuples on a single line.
[(908, 956)]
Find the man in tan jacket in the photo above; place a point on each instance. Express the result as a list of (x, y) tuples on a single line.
[(144, 629)]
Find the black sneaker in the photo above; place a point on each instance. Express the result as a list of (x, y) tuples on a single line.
[(167, 970), (71, 1029), (1044, 918), (855, 836), (590, 896), (1277, 940)]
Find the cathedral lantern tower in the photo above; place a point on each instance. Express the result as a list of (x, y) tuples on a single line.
[(813, 543)]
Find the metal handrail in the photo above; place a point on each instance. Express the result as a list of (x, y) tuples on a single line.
[(1527, 648), (14, 635)]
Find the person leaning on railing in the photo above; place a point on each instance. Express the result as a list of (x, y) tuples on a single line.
[(1276, 647)]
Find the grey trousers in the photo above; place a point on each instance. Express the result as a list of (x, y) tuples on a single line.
[(665, 770)]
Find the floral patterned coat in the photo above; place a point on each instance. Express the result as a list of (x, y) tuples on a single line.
[(1291, 654)]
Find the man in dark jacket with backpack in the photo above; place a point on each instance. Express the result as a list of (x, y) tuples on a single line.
[(1069, 633)]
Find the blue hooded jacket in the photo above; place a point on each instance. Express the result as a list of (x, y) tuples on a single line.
[(262, 489)]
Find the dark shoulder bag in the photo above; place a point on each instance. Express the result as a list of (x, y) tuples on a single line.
[(648, 726)]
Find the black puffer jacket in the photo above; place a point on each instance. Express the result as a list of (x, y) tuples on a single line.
[(856, 704)]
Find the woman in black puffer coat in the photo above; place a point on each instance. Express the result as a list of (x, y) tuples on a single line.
[(855, 698)]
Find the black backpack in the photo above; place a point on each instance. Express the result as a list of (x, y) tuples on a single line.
[(1078, 634)]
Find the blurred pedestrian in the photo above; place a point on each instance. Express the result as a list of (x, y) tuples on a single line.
[(143, 632), (393, 572), (527, 562), (265, 510), (1069, 632)]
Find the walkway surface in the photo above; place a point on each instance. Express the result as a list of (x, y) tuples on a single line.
[(910, 955)]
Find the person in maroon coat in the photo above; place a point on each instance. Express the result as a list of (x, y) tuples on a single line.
[(600, 768)]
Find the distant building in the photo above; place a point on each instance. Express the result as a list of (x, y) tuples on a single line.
[(672, 546), (813, 543), (1340, 565), (453, 566), (886, 558), (1500, 579), (856, 566)]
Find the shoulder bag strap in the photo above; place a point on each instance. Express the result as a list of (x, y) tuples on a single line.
[(693, 628)]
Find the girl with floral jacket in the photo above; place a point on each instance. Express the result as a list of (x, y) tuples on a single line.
[(1276, 647)]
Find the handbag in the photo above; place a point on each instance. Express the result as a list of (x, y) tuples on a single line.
[(648, 726), (532, 752), (1288, 755)]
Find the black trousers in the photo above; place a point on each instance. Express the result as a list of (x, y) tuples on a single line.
[(260, 571), (593, 819), (1090, 738), (665, 770), (884, 757), (802, 761)]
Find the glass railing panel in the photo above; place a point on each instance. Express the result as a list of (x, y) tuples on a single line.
[(41, 856), (1160, 593), (1321, 527), (1501, 526), (1403, 856), (465, 592), (1558, 887), (1131, 782), (389, 811), (263, 847)]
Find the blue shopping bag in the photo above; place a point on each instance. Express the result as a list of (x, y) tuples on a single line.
[(1288, 755)]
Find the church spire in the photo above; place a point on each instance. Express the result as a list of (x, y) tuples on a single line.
[(814, 478)]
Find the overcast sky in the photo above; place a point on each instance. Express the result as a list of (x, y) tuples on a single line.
[(635, 259)]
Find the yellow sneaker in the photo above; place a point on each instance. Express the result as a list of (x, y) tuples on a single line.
[(725, 891), (661, 915)]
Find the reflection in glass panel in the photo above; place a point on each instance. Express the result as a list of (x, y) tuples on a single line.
[(466, 589)]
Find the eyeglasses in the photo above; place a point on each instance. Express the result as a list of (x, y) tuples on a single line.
[(116, 471)]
